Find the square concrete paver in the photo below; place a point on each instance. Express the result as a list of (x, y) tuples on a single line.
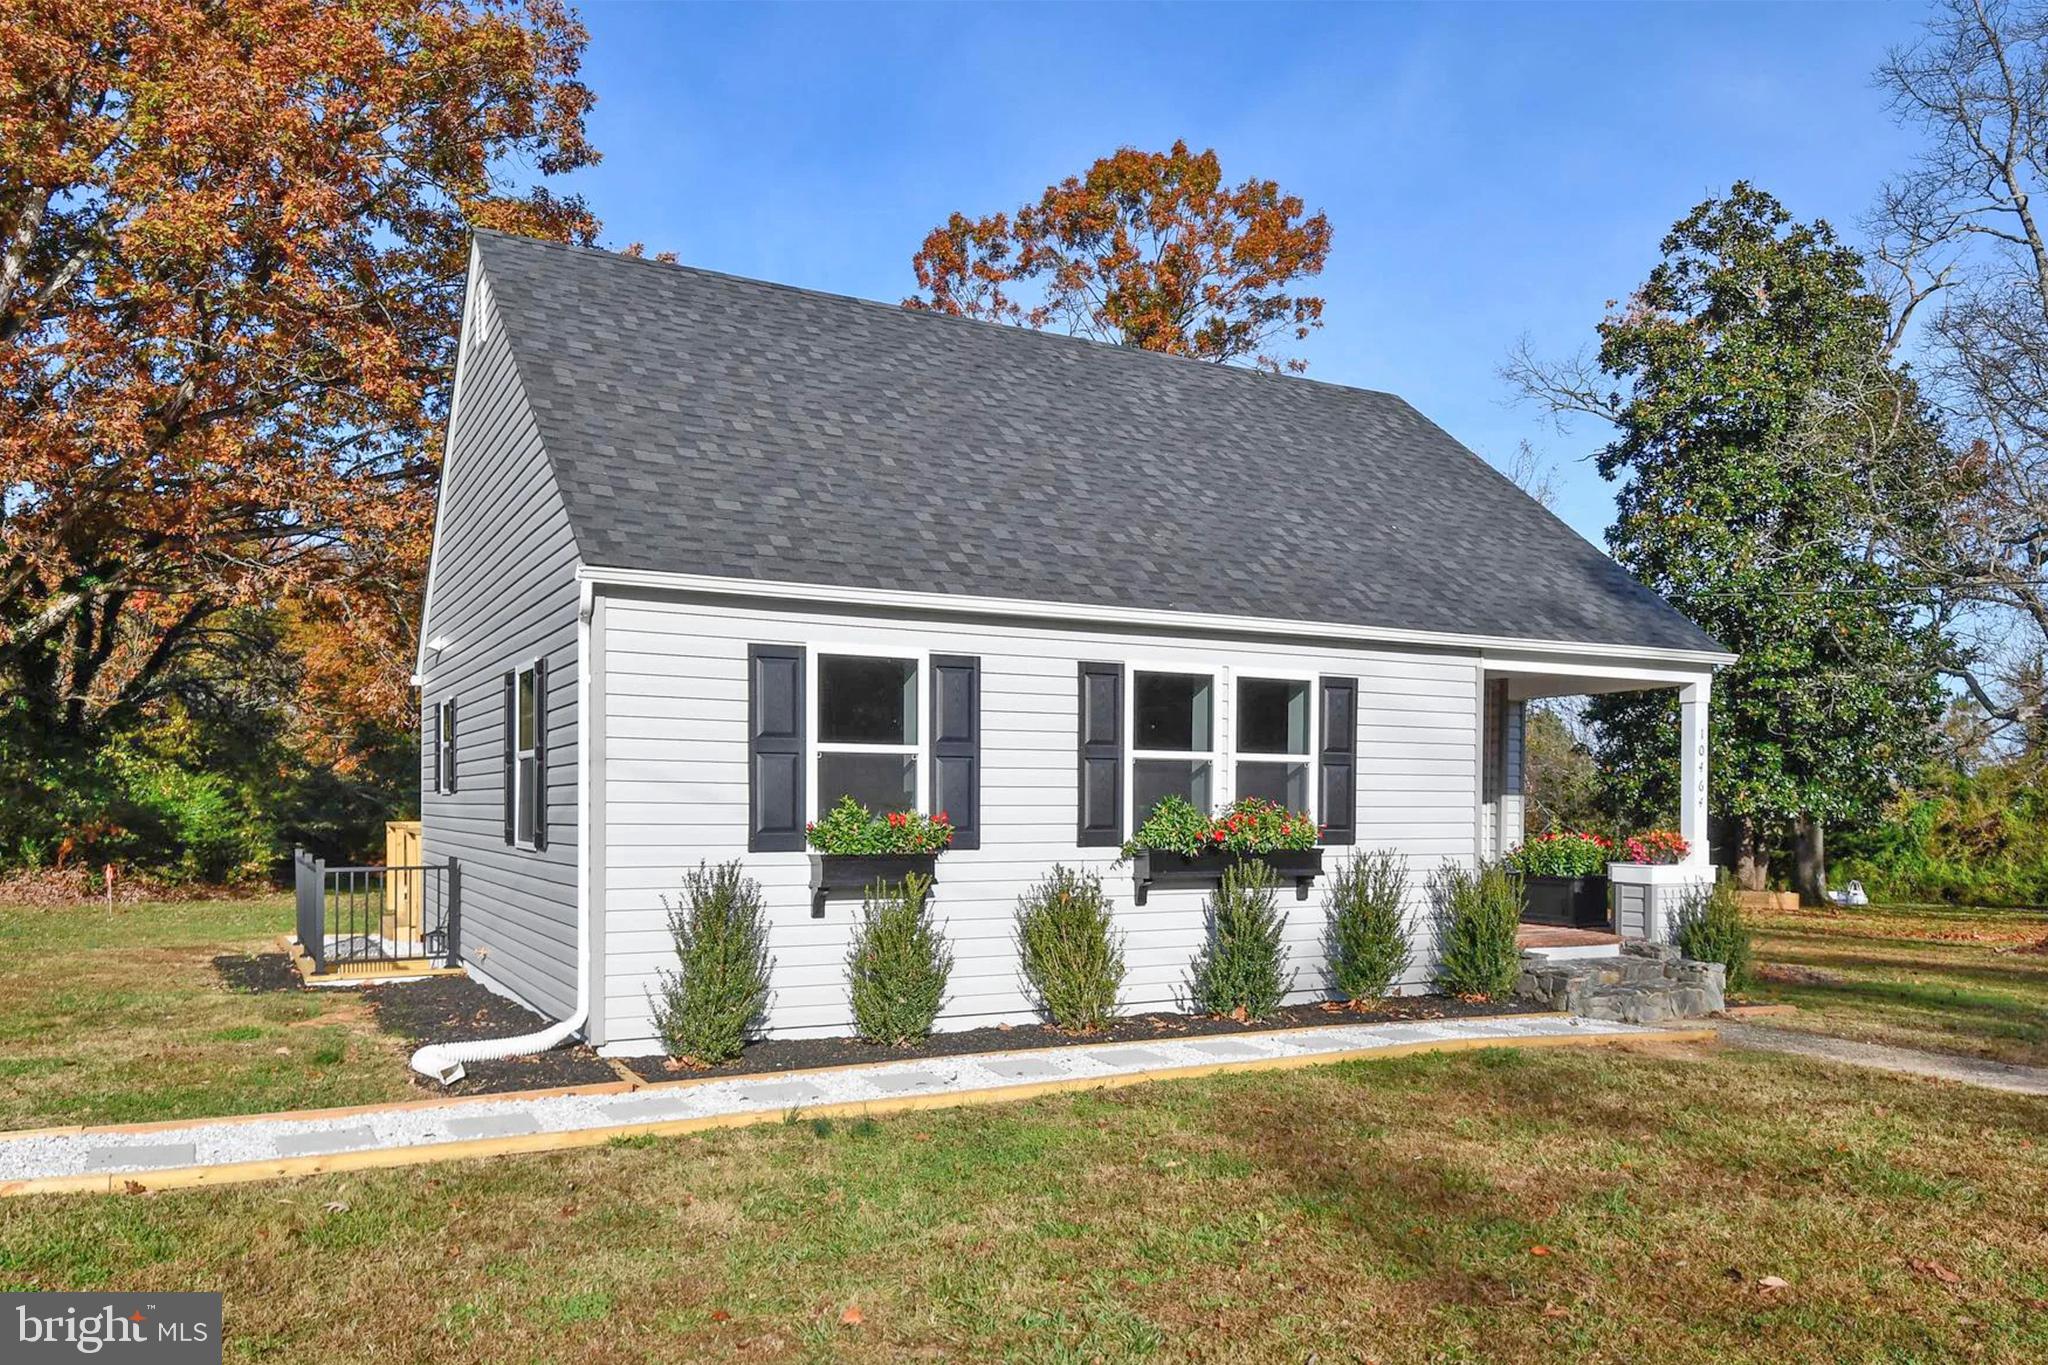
[(493, 1125), (158, 1157), (906, 1082), (781, 1092), (1227, 1050), (647, 1109), (1129, 1058), (320, 1144), (1023, 1069)]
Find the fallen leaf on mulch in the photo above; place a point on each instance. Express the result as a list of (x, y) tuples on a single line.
[(1934, 1269), (851, 1317)]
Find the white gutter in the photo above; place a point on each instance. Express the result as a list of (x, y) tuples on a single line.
[(444, 1061), (1192, 622)]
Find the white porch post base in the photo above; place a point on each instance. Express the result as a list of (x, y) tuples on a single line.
[(1647, 896)]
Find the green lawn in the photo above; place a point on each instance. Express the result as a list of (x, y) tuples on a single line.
[(1920, 976), (1499, 1206), (120, 1017)]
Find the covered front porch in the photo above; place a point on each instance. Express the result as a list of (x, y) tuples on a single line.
[(1638, 899)]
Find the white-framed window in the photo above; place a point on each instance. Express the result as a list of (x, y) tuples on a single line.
[(864, 714), (1173, 748), (444, 747), (525, 757), (1273, 717)]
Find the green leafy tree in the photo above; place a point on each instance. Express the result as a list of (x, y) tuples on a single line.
[(1764, 436)]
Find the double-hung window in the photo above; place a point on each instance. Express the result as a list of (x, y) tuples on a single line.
[(526, 758), (1173, 740), (867, 745), (1275, 744)]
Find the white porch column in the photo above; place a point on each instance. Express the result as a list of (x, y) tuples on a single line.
[(1693, 700)]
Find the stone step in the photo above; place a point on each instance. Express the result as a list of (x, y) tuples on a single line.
[(1649, 983)]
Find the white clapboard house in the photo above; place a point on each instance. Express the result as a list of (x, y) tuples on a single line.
[(712, 552)]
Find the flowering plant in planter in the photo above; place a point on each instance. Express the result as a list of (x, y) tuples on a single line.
[(1248, 825), (850, 827), (1563, 853), (1657, 846)]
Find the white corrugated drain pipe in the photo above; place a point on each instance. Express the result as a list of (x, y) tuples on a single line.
[(444, 1061)]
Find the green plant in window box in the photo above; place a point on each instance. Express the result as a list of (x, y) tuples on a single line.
[(1563, 853), (1249, 824), (850, 827)]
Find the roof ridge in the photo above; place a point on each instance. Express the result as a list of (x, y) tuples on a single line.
[(898, 310)]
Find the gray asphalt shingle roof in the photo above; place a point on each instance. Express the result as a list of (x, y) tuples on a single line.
[(701, 423)]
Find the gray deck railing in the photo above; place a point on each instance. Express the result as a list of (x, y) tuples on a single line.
[(368, 914)]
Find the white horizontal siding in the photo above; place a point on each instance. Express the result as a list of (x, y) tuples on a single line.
[(671, 785), (504, 593)]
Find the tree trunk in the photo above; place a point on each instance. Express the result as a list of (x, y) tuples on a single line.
[(1810, 865), (1752, 861)]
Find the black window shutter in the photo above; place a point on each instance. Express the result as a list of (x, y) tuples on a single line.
[(775, 748), (1339, 761), (511, 745), (1101, 795), (450, 704), (434, 738), (540, 753), (956, 745)]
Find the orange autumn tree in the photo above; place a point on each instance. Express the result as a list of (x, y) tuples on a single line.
[(232, 240), (1147, 249)]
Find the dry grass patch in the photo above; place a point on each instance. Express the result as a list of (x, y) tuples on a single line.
[(1958, 980), (1505, 1206)]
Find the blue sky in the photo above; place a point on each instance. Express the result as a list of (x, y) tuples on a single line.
[(1488, 172)]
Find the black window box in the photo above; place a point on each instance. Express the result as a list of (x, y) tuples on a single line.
[(1574, 902), (1164, 867), (858, 871)]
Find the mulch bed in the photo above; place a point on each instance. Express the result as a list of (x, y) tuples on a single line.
[(456, 1009), (796, 1054)]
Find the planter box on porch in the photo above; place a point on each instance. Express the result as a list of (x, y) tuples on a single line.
[(856, 872), (1570, 902), (1647, 896), (1164, 867)]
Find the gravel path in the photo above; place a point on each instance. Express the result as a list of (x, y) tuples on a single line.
[(216, 1143), (2024, 1080)]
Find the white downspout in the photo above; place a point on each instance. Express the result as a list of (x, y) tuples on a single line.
[(443, 1061)]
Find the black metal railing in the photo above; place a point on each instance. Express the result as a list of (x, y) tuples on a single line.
[(352, 915)]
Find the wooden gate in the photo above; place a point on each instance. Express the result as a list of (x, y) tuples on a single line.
[(404, 887)]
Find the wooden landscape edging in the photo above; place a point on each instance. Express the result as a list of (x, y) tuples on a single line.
[(188, 1177)]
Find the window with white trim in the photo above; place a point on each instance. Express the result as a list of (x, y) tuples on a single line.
[(1275, 753), (867, 734), (1173, 740), (525, 751)]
